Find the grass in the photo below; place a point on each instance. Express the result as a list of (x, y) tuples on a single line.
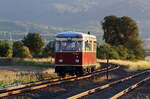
[(11, 77), (26, 62), (16, 71), (8, 78), (132, 65)]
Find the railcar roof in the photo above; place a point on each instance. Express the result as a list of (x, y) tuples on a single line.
[(74, 35)]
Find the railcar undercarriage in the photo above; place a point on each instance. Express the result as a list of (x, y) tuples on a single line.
[(74, 70)]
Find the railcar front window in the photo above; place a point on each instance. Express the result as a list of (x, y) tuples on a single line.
[(69, 45)]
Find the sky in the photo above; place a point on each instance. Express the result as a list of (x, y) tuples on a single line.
[(74, 13)]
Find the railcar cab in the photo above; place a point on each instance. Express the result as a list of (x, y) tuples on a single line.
[(75, 53)]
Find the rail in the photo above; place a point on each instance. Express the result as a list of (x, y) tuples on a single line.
[(42, 84), (100, 88)]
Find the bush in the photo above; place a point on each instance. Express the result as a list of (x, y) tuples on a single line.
[(113, 54), (107, 51), (131, 55), (5, 49), (122, 51), (135, 48), (9, 53), (24, 52), (49, 49), (16, 48)]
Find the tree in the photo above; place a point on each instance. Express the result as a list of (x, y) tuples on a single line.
[(49, 49), (118, 30), (34, 42), (123, 31), (110, 28), (16, 48), (5, 49)]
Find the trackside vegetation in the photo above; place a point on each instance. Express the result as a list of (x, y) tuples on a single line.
[(122, 41), (32, 46), (121, 36)]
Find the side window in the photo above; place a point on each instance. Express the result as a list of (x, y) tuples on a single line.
[(57, 46), (94, 46), (88, 45)]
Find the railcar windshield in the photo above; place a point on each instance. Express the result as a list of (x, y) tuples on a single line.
[(68, 45)]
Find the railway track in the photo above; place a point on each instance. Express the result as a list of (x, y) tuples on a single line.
[(43, 84), (115, 89), (141, 92)]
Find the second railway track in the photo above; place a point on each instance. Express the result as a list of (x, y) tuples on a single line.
[(42, 84), (115, 89)]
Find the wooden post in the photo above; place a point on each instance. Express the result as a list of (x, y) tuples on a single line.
[(107, 67)]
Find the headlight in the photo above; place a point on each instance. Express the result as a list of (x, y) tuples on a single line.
[(77, 60), (60, 60)]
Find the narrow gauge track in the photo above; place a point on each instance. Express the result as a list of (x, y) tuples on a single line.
[(42, 84), (115, 89)]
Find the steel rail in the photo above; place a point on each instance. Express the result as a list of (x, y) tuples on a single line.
[(127, 90), (42, 82), (100, 88), (38, 85)]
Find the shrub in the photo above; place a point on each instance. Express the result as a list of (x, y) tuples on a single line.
[(24, 52), (131, 55), (122, 51), (49, 49), (9, 53), (16, 48), (107, 51), (5, 49), (135, 48)]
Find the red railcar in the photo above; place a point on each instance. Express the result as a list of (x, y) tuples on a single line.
[(75, 53)]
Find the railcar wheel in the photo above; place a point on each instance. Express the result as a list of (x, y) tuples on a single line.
[(72, 73), (89, 69), (61, 74), (93, 69), (84, 71), (79, 73)]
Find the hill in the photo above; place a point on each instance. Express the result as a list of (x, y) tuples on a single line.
[(17, 30)]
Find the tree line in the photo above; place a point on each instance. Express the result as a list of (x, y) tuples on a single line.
[(121, 36), (30, 46)]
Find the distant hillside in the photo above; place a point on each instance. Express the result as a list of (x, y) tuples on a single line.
[(11, 26), (76, 15), (19, 29)]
